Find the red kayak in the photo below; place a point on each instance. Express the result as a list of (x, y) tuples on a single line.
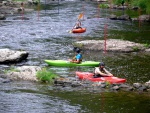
[(79, 30), (89, 76)]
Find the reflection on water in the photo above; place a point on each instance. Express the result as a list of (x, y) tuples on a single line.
[(49, 38), (26, 97), (120, 102), (41, 98)]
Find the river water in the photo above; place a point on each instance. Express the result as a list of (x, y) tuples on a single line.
[(46, 36)]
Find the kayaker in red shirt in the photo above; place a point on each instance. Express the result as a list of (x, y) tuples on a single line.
[(101, 71)]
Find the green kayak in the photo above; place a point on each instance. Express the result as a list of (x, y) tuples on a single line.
[(64, 63)]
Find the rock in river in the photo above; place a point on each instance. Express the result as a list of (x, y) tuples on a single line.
[(27, 73), (11, 56), (115, 45)]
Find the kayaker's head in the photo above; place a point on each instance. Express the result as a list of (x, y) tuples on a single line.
[(76, 49), (101, 65)]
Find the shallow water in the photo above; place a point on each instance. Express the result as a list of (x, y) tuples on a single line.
[(47, 37)]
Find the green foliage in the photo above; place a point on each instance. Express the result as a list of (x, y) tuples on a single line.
[(118, 2), (103, 6), (144, 5), (107, 84), (46, 75), (134, 3), (135, 48), (147, 45)]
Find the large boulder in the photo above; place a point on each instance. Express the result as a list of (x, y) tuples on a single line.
[(111, 45), (20, 18), (27, 73), (11, 56), (122, 17)]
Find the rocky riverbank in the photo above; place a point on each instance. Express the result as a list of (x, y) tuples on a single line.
[(14, 7), (28, 73), (76, 84), (9, 7), (125, 6)]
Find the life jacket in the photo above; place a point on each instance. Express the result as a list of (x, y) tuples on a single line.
[(74, 59)]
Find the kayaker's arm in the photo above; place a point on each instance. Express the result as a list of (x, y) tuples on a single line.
[(75, 61), (107, 72), (97, 71)]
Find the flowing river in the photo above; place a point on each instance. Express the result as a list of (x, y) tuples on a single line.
[(46, 36)]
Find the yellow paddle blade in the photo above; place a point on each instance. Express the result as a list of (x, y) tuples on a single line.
[(80, 16)]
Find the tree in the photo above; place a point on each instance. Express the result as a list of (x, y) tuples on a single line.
[(144, 5)]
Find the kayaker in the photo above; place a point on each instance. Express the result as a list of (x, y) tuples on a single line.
[(78, 56), (101, 71), (78, 25)]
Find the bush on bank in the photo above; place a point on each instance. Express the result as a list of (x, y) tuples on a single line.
[(45, 75)]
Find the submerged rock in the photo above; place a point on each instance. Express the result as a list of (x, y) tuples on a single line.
[(20, 18), (142, 88), (113, 17), (137, 85), (2, 17), (124, 17), (11, 56), (115, 87)]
